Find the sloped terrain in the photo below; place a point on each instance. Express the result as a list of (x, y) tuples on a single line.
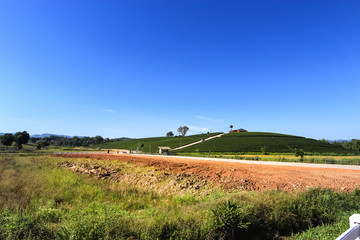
[(256, 141), (152, 144)]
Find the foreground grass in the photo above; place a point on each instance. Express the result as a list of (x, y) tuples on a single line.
[(39, 200)]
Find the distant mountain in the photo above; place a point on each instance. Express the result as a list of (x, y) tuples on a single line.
[(340, 140), (61, 135), (48, 135)]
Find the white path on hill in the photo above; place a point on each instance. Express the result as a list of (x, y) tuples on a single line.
[(206, 139)]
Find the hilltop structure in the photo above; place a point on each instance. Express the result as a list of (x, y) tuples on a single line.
[(238, 130)]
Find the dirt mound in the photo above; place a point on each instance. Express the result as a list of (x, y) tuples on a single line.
[(167, 183), (96, 170), (244, 176)]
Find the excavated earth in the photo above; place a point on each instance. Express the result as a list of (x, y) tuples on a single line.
[(232, 175), (160, 181)]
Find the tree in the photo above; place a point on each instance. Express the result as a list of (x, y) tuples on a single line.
[(98, 140), (86, 141), (21, 138), (170, 134), (75, 141), (34, 139), (7, 139), (299, 153), (264, 150), (38, 145), (45, 142), (182, 130)]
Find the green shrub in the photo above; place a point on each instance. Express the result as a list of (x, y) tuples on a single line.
[(229, 220)]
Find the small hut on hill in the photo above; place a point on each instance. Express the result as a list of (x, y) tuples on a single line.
[(239, 130), (163, 150)]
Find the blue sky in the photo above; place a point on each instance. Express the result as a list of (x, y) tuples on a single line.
[(130, 68)]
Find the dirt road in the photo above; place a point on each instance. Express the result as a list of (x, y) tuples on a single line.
[(247, 176), (293, 164)]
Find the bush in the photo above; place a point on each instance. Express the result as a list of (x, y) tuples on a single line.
[(229, 220)]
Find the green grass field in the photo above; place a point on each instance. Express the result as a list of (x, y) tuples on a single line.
[(255, 141), (152, 144), (39, 200)]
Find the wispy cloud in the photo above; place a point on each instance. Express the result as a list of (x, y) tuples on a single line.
[(198, 129), (210, 119), (203, 118), (108, 110), (219, 120)]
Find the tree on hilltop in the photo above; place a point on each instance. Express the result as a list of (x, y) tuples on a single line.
[(170, 134), (182, 130)]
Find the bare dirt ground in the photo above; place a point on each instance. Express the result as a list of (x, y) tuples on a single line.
[(244, 176)]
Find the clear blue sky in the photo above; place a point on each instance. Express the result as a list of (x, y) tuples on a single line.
[(131, 68)]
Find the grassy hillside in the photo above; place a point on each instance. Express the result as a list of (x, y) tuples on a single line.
[(152, 144), (254, 141)]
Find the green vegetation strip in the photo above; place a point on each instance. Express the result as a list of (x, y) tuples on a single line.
[(39, 200)]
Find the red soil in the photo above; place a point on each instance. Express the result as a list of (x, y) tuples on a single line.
[(245, 176)]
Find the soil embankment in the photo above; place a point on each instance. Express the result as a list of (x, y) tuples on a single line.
[(243, 176)]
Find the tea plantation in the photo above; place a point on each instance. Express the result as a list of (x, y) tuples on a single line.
[(264, 141), (152, 144)]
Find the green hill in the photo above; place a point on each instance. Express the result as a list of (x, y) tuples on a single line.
[(152, 144), (255, 141)]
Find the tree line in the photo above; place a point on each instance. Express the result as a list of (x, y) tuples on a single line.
[(354, 144), (68, 142), (20, 138)]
